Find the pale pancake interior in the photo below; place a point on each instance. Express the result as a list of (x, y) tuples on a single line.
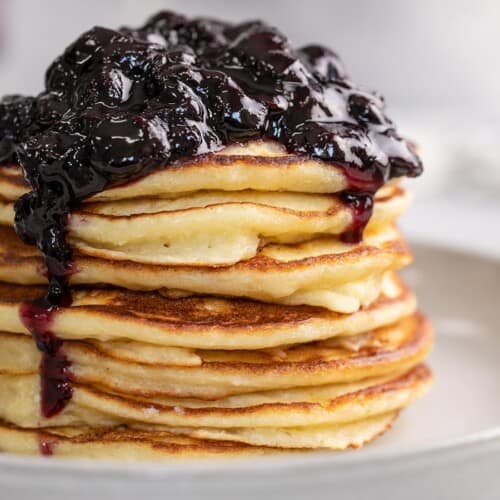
[(212, 228), (322, 272)]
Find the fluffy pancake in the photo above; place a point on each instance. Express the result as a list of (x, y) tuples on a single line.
[(118, 443), (331, 436), (258, 165), (12, 183), (322, 272), (215, 228), (212, 228), (156, 443), (310, 407), (201, 322), (220, 374)]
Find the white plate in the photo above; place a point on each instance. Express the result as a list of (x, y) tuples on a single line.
[(445, 446)]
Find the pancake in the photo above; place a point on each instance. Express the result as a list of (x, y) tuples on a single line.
[(155, 443), (311, 407), (220, 374), (212, 228), (259, 165), (119, 443), (322, 272), (331, 436), (201, 322), (12, 183)]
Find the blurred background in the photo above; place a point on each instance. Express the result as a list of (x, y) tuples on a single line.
[(437, 64)]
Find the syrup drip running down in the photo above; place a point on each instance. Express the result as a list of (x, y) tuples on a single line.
[(45, 446), (55, 374), (361, 209), (119, 104)]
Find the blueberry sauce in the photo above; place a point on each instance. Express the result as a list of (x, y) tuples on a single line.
[(45, 446), (118, 104), (361, 210), (55, 374)]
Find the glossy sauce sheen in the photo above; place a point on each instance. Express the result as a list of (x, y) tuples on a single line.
[(119, 104)]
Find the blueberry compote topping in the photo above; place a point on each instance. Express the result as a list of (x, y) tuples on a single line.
[(118, 104)]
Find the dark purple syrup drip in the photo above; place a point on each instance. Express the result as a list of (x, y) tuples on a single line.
[(46, 447), (118, 104), (55, 374), (361, 209)]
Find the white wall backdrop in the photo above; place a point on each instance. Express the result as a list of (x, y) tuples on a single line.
[(422, 53)]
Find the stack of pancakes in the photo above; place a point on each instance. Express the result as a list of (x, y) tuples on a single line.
[(216, 310)]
